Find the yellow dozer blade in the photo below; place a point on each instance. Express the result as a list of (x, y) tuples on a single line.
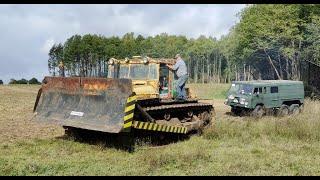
[(98, 104)]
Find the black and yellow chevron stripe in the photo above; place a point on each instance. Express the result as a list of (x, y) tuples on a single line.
[(128, 120), (159, 127), (129, 112)]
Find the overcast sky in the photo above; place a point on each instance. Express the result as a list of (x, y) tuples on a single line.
[(28, 31)]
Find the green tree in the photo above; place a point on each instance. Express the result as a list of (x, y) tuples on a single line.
[(273, 34), (13, 81), (22, 81), (55, 56), (34, 81)]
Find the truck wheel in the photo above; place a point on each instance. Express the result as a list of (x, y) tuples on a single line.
[(301, 108), (258, 112), (294, 109), (234, 111), (283, 111)]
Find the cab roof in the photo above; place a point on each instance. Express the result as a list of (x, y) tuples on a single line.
[(139, 60), (269, 82)]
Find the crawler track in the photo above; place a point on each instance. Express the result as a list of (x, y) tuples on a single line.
[(178, 106), (192, 115)]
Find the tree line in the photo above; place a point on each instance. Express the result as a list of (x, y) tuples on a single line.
[(24, 81), (88, 55), (277, 39), (269, 42)]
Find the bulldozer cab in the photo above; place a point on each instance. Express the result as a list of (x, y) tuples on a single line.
[(151, 78)]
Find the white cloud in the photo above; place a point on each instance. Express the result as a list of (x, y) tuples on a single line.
[(47, 45)]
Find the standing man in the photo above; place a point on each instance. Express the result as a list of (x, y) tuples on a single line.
[(180, 69)]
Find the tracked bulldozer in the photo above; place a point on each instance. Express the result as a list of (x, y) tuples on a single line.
[(137, 96)]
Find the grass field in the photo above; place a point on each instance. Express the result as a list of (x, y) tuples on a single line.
[(234, 146), (210, 91)]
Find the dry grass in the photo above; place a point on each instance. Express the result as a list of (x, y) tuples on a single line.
[(304, 126), (16, 105), (234, 146)]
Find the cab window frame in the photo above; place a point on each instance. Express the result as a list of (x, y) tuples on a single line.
[(257, 90)]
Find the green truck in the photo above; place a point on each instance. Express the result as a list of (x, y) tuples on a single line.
[(258, 98)]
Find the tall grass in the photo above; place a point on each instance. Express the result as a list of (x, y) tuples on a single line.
[(233, 146), (305, 126)]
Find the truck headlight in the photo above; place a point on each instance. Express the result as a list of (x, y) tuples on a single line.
[(226, 101), (111, 61), (242, 101), (231, 97), (145, 60)]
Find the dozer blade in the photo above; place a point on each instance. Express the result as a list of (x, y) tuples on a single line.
[(88, 103)]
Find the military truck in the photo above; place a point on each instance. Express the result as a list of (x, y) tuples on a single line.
[(137, 96), (271, 97)]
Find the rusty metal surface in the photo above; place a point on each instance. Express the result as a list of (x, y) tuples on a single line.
[(87, 103), (151, 60)]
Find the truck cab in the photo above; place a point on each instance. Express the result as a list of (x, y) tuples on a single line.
[(262, 97), (151, 78)]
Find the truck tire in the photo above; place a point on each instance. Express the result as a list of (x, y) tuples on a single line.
[(237, 111), (258, 112), (294, 109), (234, 111), (301, 108), (283, 111)]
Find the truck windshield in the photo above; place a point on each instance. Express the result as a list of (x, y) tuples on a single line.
[(136, 71), (139, 71), (110, 71), (123, 73), (142, 71), (241, 88)]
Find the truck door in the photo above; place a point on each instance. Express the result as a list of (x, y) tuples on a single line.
[(164, 82), (258, 96), (274, 96)]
